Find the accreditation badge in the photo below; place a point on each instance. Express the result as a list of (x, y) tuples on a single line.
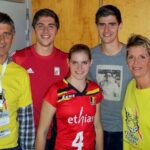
[(4, 115), (4, 133), (4, 118)]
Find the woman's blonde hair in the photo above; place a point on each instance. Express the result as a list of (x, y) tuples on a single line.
[(138, 40)]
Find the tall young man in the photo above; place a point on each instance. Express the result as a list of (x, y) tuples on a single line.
[(109, 60), (16, 111), (45, 63)]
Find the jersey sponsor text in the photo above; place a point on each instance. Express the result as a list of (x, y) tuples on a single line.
[(80, 119)]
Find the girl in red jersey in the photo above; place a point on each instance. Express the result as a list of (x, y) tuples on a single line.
[(76, 102)]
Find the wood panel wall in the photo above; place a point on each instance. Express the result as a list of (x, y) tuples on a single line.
[(77, 21)]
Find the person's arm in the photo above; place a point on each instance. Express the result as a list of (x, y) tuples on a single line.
[(46, 117), (26, 128), (98, 129)]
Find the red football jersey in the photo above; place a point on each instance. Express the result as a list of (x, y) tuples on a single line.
[(43, 71), (75, 113)]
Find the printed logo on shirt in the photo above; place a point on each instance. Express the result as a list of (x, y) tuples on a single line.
[(56, 71), (81, 118), (132, 133), (92, 101), (66, 97), (30, 70)]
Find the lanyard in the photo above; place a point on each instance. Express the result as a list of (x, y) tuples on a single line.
[(2, 73)]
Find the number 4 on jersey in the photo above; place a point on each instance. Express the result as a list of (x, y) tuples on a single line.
[(78, 141)]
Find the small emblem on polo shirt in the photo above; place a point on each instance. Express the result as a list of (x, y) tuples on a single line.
[(56, 71)]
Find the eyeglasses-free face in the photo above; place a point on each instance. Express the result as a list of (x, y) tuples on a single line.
[(45, 31), (138, 61), (108, 28)]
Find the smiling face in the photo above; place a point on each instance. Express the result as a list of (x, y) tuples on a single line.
[(138, 61), (79, 64), (45, 31), (108, 28), (6, 38)]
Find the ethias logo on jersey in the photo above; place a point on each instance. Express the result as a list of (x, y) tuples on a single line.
[(81, 118)]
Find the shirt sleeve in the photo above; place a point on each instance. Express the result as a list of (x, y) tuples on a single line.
[(99, 95), (26, 128), (25, 97), (51, 97)]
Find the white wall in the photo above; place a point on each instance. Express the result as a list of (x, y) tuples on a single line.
[(17, 11)]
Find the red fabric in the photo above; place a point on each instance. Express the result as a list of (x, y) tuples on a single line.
[(41, 74), (75, 113)]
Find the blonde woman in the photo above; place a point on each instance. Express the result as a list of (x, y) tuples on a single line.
[(136, 110)]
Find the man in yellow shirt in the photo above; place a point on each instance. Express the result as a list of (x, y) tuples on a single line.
[(16, 112)]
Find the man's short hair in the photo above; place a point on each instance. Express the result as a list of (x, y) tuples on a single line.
[(45, 13), (107, 10), (6, 19)]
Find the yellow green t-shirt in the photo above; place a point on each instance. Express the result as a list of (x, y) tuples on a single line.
[(17, 94), (136, 118)]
